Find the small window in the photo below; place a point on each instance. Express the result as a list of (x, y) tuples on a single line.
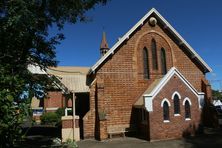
[(166, 116), (187, 110), (176, 102), (146, 63), (163, 61), (154, 54)]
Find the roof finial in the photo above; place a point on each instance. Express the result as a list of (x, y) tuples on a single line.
[(104, 47)]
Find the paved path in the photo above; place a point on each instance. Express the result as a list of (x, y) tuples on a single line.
[(132, 143), (211, 139)]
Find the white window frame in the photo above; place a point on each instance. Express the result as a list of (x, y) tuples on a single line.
[(168, 102), (173, 95), (165, 99), (187, 99)]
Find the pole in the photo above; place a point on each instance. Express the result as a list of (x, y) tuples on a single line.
[(74, 113)]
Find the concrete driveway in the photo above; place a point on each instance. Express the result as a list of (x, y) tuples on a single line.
[(211, 139)]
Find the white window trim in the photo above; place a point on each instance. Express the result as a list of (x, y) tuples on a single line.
[(166, 121), (165, 99), (172, 97), (187, 99), (176, 93), (168, 102)]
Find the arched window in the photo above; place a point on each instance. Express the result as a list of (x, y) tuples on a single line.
[(166, 111), (176, 102), (163, 61), (146, 63), (154, 54), (187, 110)]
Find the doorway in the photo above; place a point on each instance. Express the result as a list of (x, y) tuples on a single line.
[(82, 107)]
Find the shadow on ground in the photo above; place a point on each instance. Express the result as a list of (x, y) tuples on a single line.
[(40, 136), (212, 138)]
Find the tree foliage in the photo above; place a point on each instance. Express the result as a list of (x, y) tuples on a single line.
[(217, 95), (24, 40)]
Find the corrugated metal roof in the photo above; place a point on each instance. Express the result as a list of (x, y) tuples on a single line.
[(67, 70), (74, 78), (76, 83)]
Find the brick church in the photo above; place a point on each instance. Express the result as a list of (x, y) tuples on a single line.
[(151, 84)]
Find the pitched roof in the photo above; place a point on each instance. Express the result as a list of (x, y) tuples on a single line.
[(67, 70), (156, 87), (35, 69), (74, 78), (140, 22), (166, 78), (76, 83), (66, 78), (140, 101)]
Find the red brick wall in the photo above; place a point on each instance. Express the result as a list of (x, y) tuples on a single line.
[(120, 79), (54, 99), (69, 102), (67, 123), (89, 118), (177, 126)]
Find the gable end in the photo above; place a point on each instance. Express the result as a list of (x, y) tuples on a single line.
[(180, 41)]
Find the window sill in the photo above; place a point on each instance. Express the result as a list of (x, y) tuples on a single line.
[(176, 114), (166, 121), (187, 119)]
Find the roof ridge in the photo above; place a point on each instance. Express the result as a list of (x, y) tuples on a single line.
[(141, 21)]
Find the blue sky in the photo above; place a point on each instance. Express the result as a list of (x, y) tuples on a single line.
[(199, 22)]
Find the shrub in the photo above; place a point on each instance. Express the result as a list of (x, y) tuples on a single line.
[(60, 112), (50, 118), (70, 144)]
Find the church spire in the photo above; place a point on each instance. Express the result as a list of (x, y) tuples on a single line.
[(104, 45)]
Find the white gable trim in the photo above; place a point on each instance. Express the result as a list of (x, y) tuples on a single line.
[(148, 103), (167, 77), (148, 98), (141, 21)]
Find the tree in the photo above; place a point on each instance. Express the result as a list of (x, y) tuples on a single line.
[(217, 95), (24, 40)]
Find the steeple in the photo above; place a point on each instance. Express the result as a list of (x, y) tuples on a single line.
[(104, 45)]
